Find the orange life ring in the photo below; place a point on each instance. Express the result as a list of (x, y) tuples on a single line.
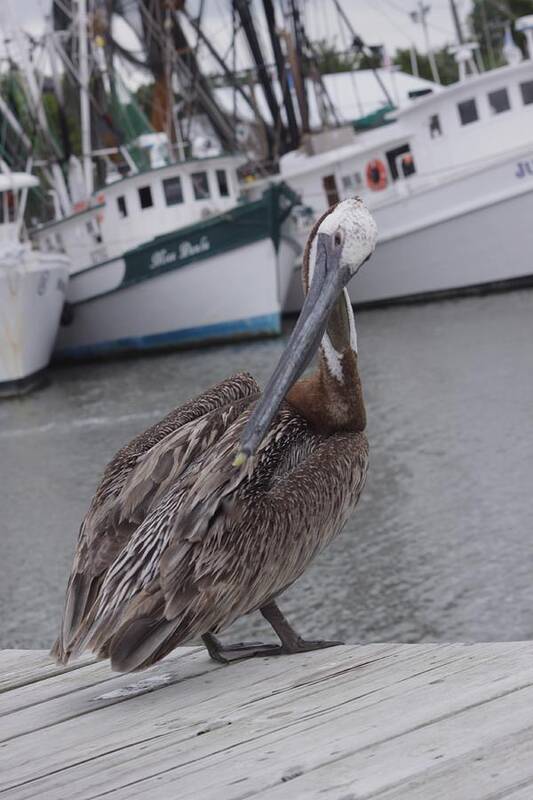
[(376, 175)]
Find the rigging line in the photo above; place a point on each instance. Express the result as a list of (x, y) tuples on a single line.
[(355, 89), (231, 44), (405, 13), (395, 24)]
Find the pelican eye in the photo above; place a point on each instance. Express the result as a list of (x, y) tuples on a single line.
[(338, 238)]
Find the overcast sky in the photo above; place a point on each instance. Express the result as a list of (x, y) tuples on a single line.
[(377, 21)]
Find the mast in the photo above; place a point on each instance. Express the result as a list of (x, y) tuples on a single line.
[(296, 58), (243, 9), (85, 109), (456, 22), (294, 133)]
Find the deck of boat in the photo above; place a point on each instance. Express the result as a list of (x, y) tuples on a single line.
[(387, 721)]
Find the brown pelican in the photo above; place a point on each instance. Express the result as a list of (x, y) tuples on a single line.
[(214, 511)]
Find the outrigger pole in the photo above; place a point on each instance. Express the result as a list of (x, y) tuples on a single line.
[(294, 131), (85, 108), (243, 10)]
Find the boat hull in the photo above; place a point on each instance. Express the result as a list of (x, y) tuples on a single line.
[(488, 249), (472, 233), (222, 280), (32, 293)]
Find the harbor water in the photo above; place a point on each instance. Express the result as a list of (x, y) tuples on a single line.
[(441, 545)]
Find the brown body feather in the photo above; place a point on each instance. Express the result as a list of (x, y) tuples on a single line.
[(106, 527)]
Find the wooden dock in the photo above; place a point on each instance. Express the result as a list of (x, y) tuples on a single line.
[(387, 721)]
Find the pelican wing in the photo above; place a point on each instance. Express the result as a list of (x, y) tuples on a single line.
[(130, 484), (222, 542)]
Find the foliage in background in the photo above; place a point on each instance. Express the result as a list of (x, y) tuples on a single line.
[(331, 60), (445, 64), (487, 26)]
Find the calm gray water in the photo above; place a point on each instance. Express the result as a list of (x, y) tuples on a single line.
[(441, 545)]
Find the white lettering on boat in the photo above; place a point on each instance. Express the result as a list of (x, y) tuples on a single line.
[(161, 257), (186, 249)]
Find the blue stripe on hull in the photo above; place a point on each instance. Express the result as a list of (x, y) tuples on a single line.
[(265, 325)]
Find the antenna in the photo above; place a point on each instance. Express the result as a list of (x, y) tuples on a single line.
[(85, 110), (419, 16)]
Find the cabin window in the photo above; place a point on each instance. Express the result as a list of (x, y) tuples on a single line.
[(173, 191), (200, 185), (499, 101), (526, 89), (401, 162), (122, 207), (330, 187), (467, 111), (351, 182), (434, 126), (222, 180), (93, 229), (145, 197), (347, 182)]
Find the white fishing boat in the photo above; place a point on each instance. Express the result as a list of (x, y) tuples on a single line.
[(450, 184), (170, 257), (168, 254), (32, 293)]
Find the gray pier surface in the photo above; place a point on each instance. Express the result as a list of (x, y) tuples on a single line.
[(387, 721)]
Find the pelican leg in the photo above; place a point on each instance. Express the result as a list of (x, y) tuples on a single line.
[(226, 653), (291, 642)]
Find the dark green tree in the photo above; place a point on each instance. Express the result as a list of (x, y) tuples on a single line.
[(329, 59), (487, 22), (446, 65)]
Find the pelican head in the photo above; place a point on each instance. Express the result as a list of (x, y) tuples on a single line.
[(344, 238), (338, 246)]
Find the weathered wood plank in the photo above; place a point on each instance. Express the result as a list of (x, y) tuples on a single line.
[(240, 691), (29, 667), (333, 749), (73, 683), (368, 772), (376, 720), (494, 770)]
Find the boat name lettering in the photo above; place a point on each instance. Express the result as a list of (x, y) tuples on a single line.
[(186, 249), (524, 168), (161, 257)]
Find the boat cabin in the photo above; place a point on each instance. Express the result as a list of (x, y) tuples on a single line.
[(439, 136), (141, 206)]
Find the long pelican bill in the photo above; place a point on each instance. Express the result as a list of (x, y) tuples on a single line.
[(328, 280)]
